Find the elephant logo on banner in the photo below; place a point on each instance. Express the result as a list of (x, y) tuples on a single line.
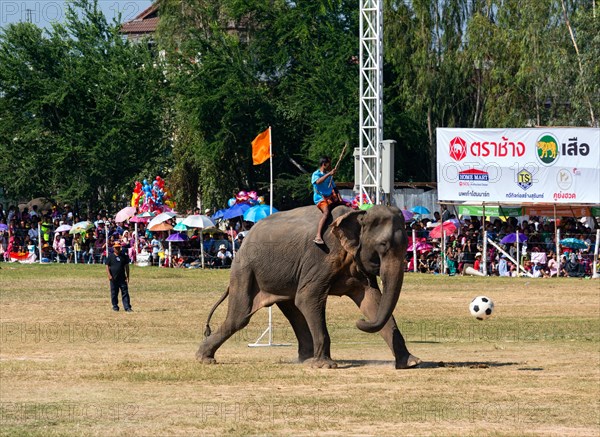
[(547, 149), (458, 149)]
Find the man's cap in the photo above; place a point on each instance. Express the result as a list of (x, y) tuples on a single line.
[(222, 246), (207, 211), (477, 254), (117, 244)]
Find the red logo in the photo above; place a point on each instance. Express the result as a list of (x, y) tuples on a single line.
[(458, 149)]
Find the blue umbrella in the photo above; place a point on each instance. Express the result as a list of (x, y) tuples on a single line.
[(512, 238), (420, 210), (219, 214), (573, 243), (258, 212), (236, 210)]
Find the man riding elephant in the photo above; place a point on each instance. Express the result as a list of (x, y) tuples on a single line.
[(358, 247)]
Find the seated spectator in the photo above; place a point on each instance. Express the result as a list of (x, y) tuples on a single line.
[(477, 263), (177, 261), (46, 253), (224, 257), (503, 268), (573, 268), (423, 266)]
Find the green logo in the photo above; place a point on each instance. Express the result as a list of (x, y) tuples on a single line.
[(547, 149)]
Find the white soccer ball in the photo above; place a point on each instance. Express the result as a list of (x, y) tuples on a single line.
[(481, 307)]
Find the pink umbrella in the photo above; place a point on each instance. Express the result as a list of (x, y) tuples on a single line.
[(447, 226), (421, 247), (138, 219), (125, 214)]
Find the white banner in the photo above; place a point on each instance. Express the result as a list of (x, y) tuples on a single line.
[(541, 165)]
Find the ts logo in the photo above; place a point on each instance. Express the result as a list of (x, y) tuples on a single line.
[(458, 149), (524, 179)]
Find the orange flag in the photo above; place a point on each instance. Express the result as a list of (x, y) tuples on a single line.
[(261, 147)]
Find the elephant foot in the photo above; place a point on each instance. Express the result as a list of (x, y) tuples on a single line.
[(302, 359), (205, 359), (321, 363), (410, 362)]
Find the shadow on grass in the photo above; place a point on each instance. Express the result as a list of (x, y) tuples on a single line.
[(346, 364)]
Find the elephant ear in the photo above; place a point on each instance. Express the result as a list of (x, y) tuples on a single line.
[(347, 229)]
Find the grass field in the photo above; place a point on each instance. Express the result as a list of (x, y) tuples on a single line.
[(69, 365)]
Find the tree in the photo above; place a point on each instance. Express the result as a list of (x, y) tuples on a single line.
[(81, 109), (238, 67)]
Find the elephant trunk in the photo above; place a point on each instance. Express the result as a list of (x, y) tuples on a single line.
[(392, 275)]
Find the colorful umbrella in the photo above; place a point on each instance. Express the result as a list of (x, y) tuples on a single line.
[(80, 227), (180, 227), (219, 214), (420, 210), (160, 218), (236, 210), (421, 247), (146, 214), (139, 219), (177, 236), (573, 243), (408, 215), (258, 212), (512, 238), (447, 227), (3, 227), (63, 228), (160, 227), (125, 214), (198, 221)]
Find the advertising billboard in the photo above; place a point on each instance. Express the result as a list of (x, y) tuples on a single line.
[(538, 165)]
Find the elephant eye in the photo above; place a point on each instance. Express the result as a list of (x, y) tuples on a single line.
[(384, 245)]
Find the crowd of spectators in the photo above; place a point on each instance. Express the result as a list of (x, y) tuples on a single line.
[(537, 254), (21, 241)]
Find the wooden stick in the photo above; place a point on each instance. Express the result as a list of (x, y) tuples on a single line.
[(338, 162), (341, 156)]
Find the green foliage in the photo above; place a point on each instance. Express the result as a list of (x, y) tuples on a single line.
[(81, 109), (83, 113)]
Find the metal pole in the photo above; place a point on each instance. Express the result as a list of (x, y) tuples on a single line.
[(136, 241), (414, 239), (595, 274), (518, 258), (443, 250), (40, 240), (202, 247), (168, 259), (484, 254), (557, 233)]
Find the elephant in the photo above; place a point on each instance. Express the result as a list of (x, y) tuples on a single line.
[(279, 264)]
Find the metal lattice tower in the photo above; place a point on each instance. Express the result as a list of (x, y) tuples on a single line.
[(371, 99)]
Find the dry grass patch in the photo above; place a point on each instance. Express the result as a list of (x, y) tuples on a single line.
[(70, 366)]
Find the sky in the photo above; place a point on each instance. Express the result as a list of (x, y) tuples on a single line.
[(43, 12)]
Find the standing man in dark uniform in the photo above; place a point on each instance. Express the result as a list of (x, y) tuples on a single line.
[(117, 267)]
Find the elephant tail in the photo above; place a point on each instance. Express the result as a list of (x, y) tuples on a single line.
[(207, 330)]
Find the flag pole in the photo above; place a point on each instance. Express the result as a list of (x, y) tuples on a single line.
[(269, 329), (271, 173)]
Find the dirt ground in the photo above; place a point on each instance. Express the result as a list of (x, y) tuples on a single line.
[(71, 366)]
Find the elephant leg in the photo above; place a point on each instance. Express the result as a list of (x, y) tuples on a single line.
[(301, 329), (239, 312), (368, 302), (313, 309)]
